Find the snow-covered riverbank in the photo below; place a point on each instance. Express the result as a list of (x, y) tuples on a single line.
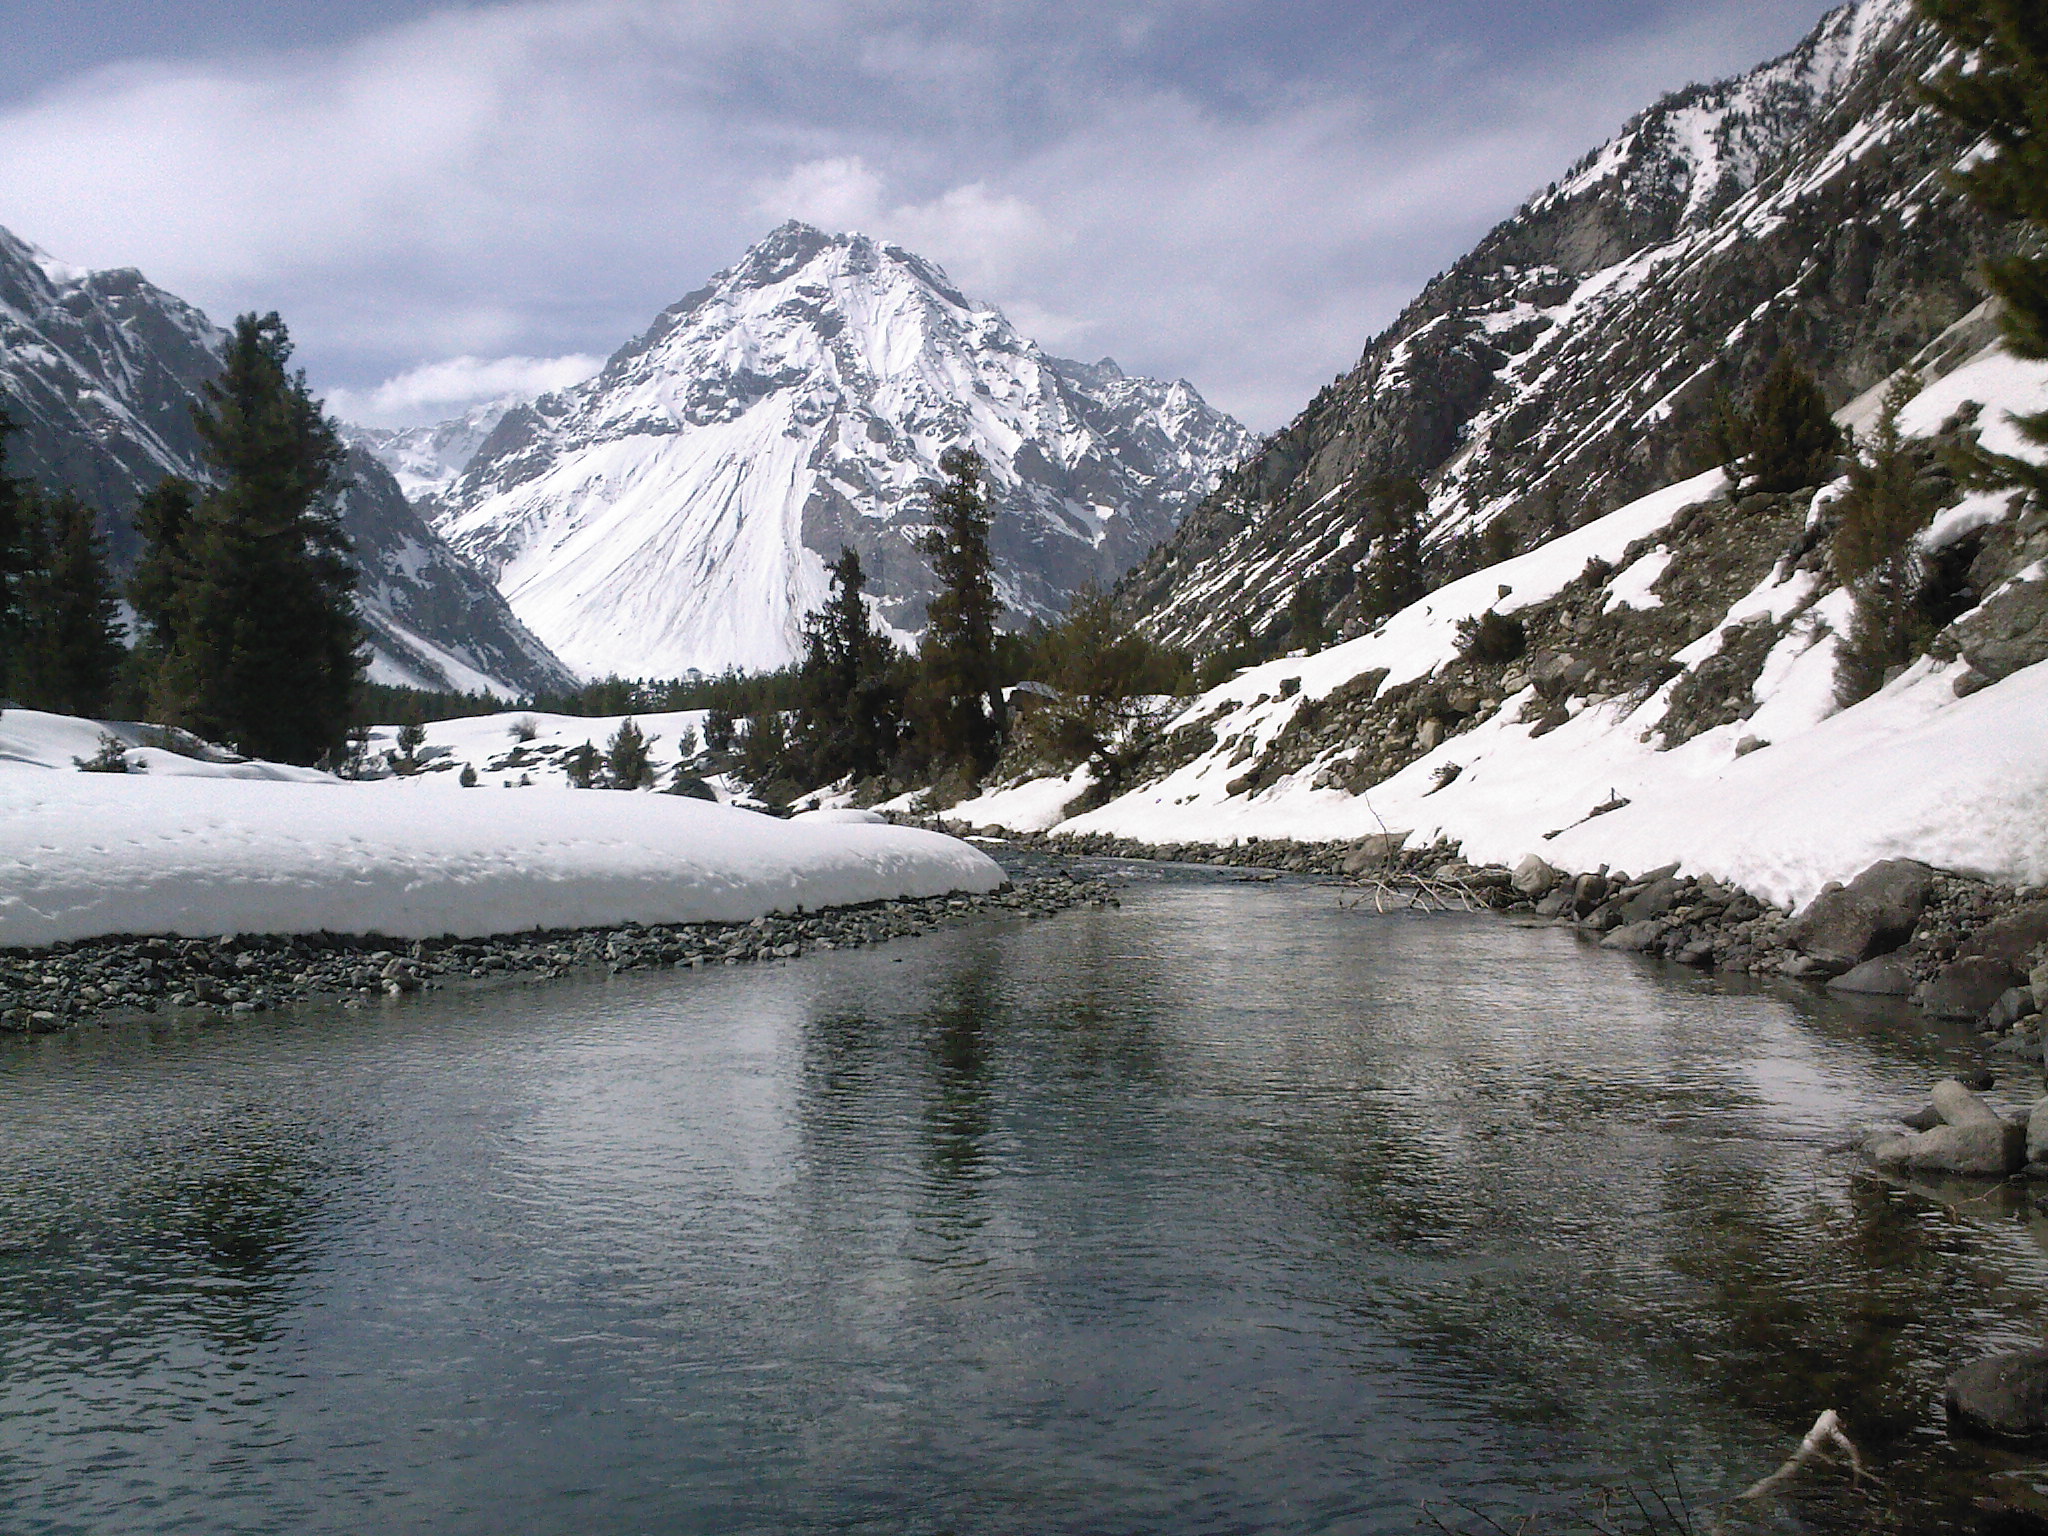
[(200, 849)]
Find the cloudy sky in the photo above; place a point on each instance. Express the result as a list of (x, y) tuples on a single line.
[(452, 200)]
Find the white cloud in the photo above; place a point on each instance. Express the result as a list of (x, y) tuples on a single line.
[(539, 179), (436, 391)]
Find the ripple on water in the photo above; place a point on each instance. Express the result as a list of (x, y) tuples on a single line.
[(1226, 1211)]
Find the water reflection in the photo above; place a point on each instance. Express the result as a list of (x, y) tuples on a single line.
[(1227, 1211)]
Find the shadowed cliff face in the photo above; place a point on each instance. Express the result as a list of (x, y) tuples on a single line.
[(1568, 364), (100, 370)]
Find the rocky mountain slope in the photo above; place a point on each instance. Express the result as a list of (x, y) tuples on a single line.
[(100, 370), (426, 461), (1661, 690), (676, 511), (1568, 363)]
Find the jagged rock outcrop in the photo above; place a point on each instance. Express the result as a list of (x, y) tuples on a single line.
[(100, 371), (677, 511), (1568, 364)]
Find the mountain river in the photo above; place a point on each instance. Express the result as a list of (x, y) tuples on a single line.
[(1230, 1210)]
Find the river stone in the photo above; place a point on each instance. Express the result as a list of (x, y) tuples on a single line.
[(1556, 904), (2005, 1396), (1925, 1118), (1957, 1105), (1966, 989), (2014, 1004), (1872, 915), (1882, 977), (2013, 938), (1588, 891), (1373, 850), (1633, 936), (1989, 1151), (2037, 1132), (1533, 877)]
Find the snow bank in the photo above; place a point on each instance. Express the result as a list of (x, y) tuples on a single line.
[(84, 854)]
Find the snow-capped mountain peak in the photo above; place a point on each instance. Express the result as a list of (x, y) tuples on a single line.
[(677, 510)]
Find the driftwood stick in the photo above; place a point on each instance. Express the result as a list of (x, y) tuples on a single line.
[(1827, 1433)]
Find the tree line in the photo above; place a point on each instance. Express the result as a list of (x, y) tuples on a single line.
[(243, 599)]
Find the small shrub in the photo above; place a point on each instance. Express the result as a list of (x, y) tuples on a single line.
[(468, 777), (112, 757), (525, 728), (410, 739), (1493, 638)]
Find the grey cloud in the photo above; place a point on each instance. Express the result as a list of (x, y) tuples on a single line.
[(1233, 192)]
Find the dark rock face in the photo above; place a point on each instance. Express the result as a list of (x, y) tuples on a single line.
[(2012, 938), (1967, 988), (101, 370), (2005, 1397), (1876, 912), (1538, 382), (2008, 632)]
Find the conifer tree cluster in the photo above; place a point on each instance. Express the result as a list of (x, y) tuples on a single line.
[(1784, 439), (2000, 91), (851, 682), (60, 630)]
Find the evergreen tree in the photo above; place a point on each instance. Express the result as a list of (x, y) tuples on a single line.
[(1787, 438), (1874, 556), (163, 522), (267, 650), (74, 620), (849, 716), (626, 757), (2000, 91), (1394, 576), (959, 701)]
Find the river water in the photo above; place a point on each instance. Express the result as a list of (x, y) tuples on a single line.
[(1227, 1211)]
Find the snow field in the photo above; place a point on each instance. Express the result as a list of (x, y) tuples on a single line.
[(258, 849)]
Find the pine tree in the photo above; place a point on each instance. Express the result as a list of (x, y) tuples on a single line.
[(163, 522), (1873, 553), (850, 699), (959, 703), (21, 521), (267, 651), (626, 757), (1394, 576), (74, 619), (2000, 91), (1788, 440)]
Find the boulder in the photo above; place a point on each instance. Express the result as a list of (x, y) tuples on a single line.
[(1534, 878), (1872, 915), (2013, 938), (1653, 900), (2037, 983), (1967, 988), (1882, 977), (1633, 936), (2037, 1132), (1989, 1151), (2014, 1004), (1957, 1105), (1556, 904), (1925, 1118), (1373, 850), (2005, 1396), (2007, 631), (1588, 891)]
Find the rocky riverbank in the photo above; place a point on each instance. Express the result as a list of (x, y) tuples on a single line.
[(45, 990)]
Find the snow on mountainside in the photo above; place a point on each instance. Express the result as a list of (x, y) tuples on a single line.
[(426, 461), (100, 371), (1675, 702), (677, 510), (1568, 364)]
